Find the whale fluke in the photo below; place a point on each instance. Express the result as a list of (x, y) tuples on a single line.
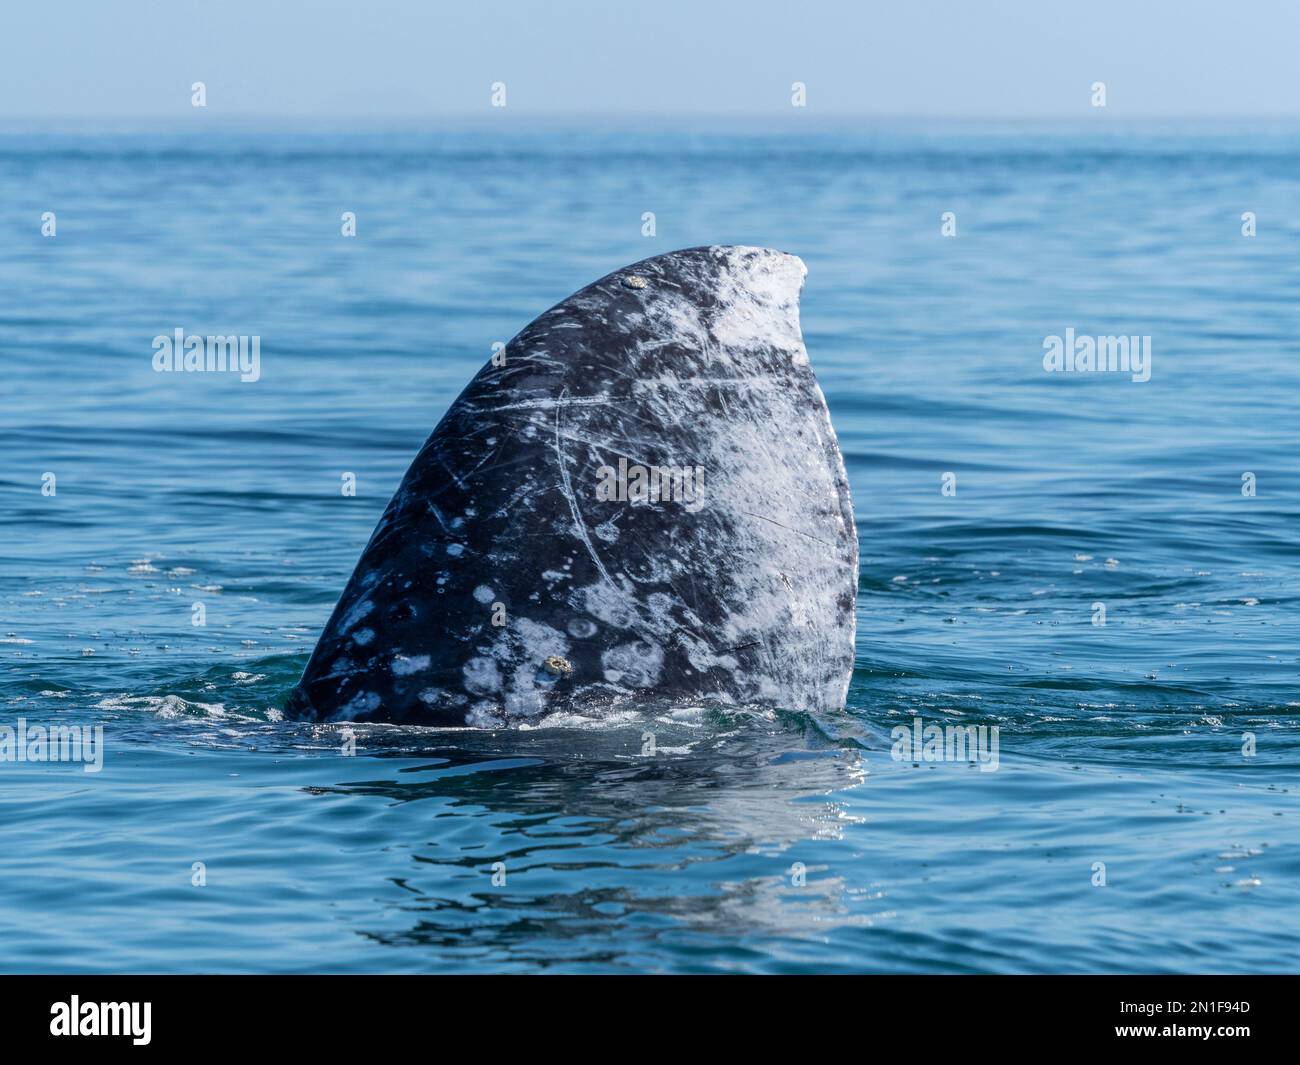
[(641, 499)]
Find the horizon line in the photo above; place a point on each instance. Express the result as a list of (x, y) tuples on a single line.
[(787, 115)]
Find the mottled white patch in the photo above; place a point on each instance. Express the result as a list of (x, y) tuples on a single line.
[(353, 616), (482, 676), (363, 636), (611, 605), (636, 665), (660, 606), (404, 666), (582, 628), (340, 667), (484, 594), (759, 300), (702, 658), (361, 703), (484, 715)]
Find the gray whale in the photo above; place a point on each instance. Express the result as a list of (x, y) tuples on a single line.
[(642, 501)]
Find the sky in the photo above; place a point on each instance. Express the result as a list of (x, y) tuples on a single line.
[(327, 59)]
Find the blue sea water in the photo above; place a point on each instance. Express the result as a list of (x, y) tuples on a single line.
[(1126, 744)]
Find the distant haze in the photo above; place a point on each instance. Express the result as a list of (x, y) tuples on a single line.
[(407, 58)]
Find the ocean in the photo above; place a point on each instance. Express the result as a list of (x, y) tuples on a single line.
[(1099, 570)]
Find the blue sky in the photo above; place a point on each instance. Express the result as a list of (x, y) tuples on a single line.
[(405, 58)]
